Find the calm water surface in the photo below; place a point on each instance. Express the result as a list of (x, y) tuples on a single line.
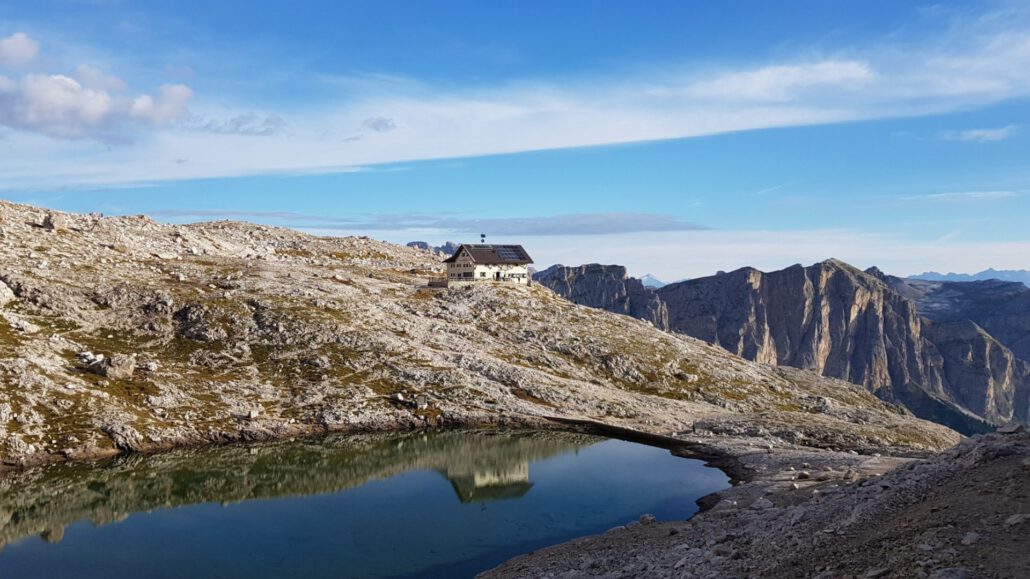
[(438, 505)]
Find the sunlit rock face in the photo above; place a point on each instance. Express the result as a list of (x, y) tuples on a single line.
[(845, 323)]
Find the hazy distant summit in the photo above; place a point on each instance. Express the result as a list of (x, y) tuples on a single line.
[(1020, 275), (652, 282)]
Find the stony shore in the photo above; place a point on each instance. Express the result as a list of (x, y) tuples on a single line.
[(960, 514)]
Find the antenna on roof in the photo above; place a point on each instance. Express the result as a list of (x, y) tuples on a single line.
[(482, 238)]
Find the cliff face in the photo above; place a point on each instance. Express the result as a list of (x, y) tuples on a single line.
[(828, 317), (607, 287), (972, 368), (1001, 308), (863, 327), (866, 328)]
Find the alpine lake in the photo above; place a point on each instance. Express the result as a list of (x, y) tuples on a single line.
[(439, 504)]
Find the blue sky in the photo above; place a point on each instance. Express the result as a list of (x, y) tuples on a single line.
[(678, 138)]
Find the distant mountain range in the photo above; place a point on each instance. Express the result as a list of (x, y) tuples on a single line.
[(951, 352), (1020, 275), (449, 248)]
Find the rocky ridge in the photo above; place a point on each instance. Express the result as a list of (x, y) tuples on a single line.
[(123, 334)]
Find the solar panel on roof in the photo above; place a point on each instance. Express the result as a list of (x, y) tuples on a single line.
[(509, 253)]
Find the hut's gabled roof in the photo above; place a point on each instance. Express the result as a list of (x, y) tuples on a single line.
[(492, 254)]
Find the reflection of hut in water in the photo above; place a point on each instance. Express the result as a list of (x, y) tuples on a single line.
[(482, 465), (491, 484)]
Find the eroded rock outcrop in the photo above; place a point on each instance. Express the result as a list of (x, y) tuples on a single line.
[(607, 287)]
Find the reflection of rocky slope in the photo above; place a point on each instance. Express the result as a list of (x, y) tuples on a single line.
[(608, 285), (44, 501), (845, 323), (126, 334)]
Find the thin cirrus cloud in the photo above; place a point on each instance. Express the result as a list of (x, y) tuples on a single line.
[(966, 196), (980, 135), (388, 120), (571, 224)]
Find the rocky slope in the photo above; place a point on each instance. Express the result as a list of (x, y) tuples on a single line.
[(841, 322), (963, 514), (121, 334)]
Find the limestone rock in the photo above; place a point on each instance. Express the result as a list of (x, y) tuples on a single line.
[(6, 294), (607, 287), (55, 222)]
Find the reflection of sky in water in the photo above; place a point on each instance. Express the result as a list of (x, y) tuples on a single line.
[(417, 522)]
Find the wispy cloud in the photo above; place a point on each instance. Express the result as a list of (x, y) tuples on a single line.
[(772, 189), (979, 135), (780, 83), (967, 196)]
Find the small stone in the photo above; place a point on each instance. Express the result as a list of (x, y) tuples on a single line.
[(874, 572), (970, 538), (254, 413), (1011, 428), (1017, 519), (648, 519), (724, 505), (6, 294), (120, 367), (762, 504), (804, 475)]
